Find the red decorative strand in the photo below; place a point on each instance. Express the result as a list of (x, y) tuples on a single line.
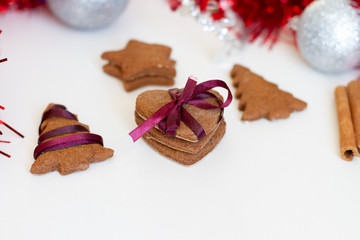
[(12, 129), (19, 4), (7, 125), (5, 154)]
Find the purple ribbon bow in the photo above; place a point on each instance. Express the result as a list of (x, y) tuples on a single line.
[(169, 116)]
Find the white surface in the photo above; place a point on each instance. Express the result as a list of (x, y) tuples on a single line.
[(265, 180)]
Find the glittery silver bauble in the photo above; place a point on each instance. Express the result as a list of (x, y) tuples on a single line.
[(328, 35), (87, 14)]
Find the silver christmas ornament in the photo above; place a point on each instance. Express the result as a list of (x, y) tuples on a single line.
[(328, 35), (87, 14)]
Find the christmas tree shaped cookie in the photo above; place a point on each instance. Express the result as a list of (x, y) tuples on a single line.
[(260, 98), (65, 144)]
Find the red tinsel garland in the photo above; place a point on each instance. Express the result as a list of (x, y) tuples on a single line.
[(267, 17), (19, 4), (261, 18), (355, 3)]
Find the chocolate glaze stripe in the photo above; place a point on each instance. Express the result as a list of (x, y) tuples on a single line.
[(11, 128), (66, 142), (61, 131)]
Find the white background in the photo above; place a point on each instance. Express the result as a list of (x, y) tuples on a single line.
[(279, 180)]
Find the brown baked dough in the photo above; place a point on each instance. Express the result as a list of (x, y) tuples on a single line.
[(68, 160), (260, 98), (185, 147), (140, 64), (138, 82), (183, 157)]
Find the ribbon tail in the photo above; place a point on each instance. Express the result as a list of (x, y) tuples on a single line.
[(173, 121), (151, 122), (194, 125)]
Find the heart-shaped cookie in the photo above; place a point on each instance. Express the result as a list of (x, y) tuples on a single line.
[(185, 147)]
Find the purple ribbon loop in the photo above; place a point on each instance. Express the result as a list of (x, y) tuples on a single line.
[(66, 142), (169, 116), (58, 111), (61, 131)]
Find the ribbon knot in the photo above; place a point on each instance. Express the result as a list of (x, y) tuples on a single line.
[(175, 93), (169, 116)]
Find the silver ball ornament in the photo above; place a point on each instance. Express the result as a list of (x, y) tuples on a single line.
[(87, 14), (328, 35)]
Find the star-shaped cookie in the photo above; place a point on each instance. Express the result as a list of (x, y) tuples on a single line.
[(140, 64)]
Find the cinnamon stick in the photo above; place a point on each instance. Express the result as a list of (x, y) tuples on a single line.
[(354, 98), (348, 146)]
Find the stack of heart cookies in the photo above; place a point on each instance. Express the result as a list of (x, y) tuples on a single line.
[(140, 64), (184, 147)]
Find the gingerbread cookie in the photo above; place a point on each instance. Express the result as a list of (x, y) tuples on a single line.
[(140, 64), (65, 144), (196, 114), (260, 98), (183, 157)]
